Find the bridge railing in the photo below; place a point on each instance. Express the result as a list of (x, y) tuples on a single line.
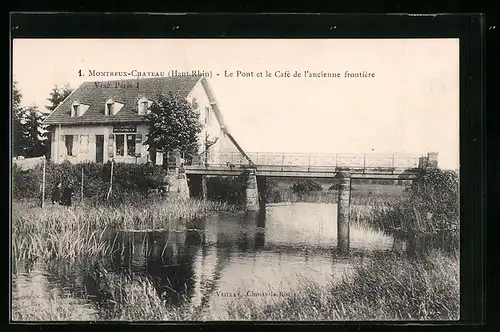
[(308, 160)]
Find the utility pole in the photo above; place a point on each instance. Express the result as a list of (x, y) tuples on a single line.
[(81, 188), (206, 148), (110, 180), (43, 182)]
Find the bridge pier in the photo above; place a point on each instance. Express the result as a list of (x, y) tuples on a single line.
[(343, 212), (262, 188), (204, 188), (252, 192), (183, 186)]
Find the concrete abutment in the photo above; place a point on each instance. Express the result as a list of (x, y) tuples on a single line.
[(343, 211), (204, 188), (251, 192)]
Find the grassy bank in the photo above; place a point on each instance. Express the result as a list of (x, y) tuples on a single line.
[(57, 232), (361, 194), (383, 289), (39, 303), (387, 288)]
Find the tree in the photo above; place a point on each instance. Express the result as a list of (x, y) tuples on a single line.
[(17, 130), (31, 134), (57, 96), (28, 134), (273, 193), (16, 97), (173, 124), (438, 193)]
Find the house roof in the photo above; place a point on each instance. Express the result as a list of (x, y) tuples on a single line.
[(127, 92)]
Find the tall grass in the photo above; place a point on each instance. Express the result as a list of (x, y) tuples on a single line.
[(136, 299), (382, 289), (32, 300), (58, 232), (385, 288), (123, 298), (52, 308)]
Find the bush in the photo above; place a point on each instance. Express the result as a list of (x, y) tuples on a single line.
[(431, 211), (305, 186), (273, 193), (228, 189), (128, 179), (336, 185)]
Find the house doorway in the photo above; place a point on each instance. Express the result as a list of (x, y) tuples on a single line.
[(99, 149), (152, 155)]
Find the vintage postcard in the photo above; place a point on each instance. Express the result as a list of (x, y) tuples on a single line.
[(235, 179)]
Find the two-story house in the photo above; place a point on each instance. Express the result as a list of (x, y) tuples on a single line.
[(100, 121)]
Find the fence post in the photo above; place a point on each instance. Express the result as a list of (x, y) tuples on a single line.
[(43, 183), (110, 180), (364, 162), (393, 160), (81, 188)]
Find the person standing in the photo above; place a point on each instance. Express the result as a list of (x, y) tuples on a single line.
[(56, 193), (67, 195)]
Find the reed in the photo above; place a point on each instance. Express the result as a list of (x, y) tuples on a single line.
[(57, 232), (136, 299)]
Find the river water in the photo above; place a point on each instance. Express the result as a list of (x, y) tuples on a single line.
[(208, 262)]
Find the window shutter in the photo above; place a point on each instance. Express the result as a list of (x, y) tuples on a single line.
[(111, 144), (62, 147), (84, 143), (76, 145), (138, 145)]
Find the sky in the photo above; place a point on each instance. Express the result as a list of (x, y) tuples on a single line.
[(411, 105)]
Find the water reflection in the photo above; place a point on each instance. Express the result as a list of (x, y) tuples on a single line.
[(200, 262)]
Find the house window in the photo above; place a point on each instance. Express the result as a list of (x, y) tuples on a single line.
[(74, 110), (68, 141), (120, 145), (109, 108), (143, 107), (131, 145), (207, 115), (125, 144)]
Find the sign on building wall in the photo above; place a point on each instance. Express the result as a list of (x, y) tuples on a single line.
[(159, 158), (124, 128)]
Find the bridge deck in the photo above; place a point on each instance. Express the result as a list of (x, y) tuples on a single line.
[(304, 172), (397, 167)]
